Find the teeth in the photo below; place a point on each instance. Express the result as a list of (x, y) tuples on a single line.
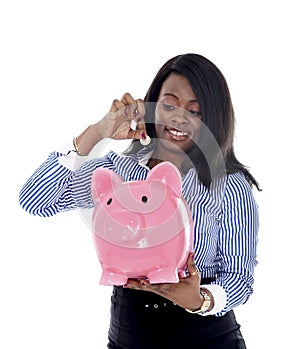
[(177, 133)]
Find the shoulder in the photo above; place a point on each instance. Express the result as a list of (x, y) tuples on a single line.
[(238, 190), (237, 182)]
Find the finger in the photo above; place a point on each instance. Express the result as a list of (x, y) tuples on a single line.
[(139, 109), (138, 126), (140, 284), (127, 99), (144, 282), (116, 105), (141, 125), (191, 265), (131, 109), (142, 132), (138, 113), (137, 134)]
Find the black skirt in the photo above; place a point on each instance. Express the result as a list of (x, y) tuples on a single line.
[(144, 320)]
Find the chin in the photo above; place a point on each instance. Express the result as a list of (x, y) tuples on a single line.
[(179, 148)]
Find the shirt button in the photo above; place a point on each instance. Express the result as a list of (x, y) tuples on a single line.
[(155, 305), (146, 305)]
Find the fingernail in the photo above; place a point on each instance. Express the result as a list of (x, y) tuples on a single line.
[(143, 135)]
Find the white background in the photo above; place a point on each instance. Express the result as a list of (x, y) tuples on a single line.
[(62, 64)]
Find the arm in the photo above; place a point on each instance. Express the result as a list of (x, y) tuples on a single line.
[(237, 242), (55, 186), (52, 187)]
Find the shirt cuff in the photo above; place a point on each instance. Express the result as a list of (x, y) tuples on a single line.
[(70, 159), (220, 298)]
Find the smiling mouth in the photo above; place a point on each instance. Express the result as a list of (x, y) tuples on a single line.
[(177, 134)]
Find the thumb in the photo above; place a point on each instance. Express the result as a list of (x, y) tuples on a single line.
[(191, 265)]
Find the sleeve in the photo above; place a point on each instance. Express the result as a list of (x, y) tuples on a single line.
[(237, 242), (54, 187)]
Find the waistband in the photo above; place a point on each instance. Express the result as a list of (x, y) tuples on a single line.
[(150, 300)]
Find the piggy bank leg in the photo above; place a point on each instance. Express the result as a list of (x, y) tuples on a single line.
[(110, 278), (164, 275)]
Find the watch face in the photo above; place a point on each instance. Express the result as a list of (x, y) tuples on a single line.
[(206, 303), (204, 307)]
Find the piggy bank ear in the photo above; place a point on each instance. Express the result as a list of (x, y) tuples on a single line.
[(103, 181), (169, 174)]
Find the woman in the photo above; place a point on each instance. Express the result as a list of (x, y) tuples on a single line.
[(188, 115)]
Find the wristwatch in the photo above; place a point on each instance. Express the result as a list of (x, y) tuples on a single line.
[(204, 307)]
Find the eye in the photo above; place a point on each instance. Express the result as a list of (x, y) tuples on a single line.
[(194, 113), (144, 199), (109, 201), (169, 107)]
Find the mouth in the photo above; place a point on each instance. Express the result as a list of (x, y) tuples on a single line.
[(177, 134)]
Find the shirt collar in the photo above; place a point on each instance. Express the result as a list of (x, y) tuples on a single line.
[(144, 154)]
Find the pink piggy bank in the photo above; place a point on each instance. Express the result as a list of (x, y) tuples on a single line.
[(141, 229)]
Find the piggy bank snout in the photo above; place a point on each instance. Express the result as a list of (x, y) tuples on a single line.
[(124, 226)]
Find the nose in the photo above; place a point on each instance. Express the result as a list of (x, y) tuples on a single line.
[(179, 117), (123, 227)]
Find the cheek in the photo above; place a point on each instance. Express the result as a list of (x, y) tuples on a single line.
[(159, 128), (159, 122), (197, 129), (158, 115)]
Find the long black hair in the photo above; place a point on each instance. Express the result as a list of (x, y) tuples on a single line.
[(212, 93)]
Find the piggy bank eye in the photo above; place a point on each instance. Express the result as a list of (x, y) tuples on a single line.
[(144, 199), (109, 201)]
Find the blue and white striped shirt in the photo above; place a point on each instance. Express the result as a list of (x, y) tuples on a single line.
[(226, 224)]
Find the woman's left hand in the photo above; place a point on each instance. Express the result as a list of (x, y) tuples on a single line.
[(185, 293)]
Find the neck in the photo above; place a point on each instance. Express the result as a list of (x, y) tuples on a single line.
[(158, 157)]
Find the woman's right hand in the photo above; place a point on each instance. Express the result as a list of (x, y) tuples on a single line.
[(118, 122)]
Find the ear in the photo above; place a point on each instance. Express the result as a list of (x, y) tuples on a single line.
[(169, 174), (103, 181)]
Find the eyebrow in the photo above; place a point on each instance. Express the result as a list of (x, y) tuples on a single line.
[(172, 95)]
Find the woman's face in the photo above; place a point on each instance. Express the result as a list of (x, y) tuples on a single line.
[(177, 116)]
